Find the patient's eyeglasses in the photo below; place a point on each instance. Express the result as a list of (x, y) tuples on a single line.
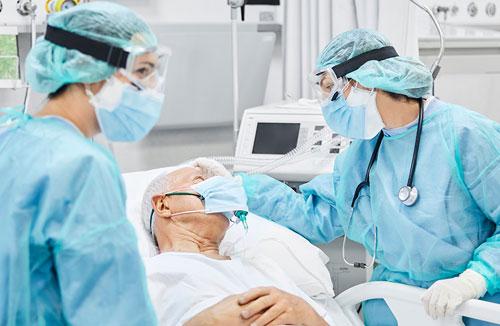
[(182, 193), (174, 193)]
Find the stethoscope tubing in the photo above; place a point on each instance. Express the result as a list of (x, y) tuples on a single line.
[(366, 183)]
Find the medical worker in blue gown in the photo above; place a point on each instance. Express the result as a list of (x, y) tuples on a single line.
[(68, 255), (437, 230)]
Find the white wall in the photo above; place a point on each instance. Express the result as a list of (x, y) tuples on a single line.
[(198, 11), (165, 147), (170, 147)]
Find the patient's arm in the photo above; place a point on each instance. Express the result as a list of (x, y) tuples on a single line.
[(226, 312), (277, 308), (261, 306)]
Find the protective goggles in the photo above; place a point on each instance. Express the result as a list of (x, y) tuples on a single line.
[(146, 68), (326, 85), (328, 82)]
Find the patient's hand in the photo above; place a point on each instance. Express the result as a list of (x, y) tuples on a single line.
[(225, 312), (277, 308)]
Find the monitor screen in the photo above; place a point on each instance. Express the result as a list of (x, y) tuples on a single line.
[(275, 138), (9, 59)]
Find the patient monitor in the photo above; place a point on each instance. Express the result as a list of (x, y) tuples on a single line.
[(267, 134)]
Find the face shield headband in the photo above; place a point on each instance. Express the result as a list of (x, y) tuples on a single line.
[(147, 74), (114, 56)]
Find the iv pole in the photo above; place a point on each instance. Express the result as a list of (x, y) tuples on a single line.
[(235, 5), (26, 8)]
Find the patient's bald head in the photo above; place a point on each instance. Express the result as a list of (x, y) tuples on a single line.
[(183, 178), (184, 232)]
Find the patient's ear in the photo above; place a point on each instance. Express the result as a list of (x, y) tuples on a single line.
[(160, 205)]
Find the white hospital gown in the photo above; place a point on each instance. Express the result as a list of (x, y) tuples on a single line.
[(183, 284)]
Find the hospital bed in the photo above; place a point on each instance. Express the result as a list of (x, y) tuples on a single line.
[(305, 264), (404, 302)]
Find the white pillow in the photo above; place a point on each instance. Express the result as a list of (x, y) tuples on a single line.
[(289, 250), (135, 185)]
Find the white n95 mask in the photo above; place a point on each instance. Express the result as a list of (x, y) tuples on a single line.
[(368, 100), (356, 116)]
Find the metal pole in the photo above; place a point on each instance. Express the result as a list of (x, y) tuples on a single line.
[(236, 95), (24, 9), (235, 5), (284, 30), (435, 66)]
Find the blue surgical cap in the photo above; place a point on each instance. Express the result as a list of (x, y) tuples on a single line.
[(50, 66), (400, 75)]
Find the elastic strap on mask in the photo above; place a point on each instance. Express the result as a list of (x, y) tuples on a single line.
[(88, 92), (114, 56), (355, 86), (152, 221), (188, 212)]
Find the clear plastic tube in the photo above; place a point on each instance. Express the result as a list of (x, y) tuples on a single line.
[(305, 149), (300, 153)]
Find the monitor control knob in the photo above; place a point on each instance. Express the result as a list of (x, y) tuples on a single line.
[(491, 9)]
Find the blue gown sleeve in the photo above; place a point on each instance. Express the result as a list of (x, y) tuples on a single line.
[(478, 148), (311, 213), (99, 270)]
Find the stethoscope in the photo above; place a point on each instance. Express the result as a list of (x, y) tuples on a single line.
[(408, 194)]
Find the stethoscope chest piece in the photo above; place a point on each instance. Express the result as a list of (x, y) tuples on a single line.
[(408, 195)]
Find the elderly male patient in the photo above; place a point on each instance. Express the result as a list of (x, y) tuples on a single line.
[(191, 283)]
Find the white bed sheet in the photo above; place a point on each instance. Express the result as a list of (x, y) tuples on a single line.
[(183, 284)]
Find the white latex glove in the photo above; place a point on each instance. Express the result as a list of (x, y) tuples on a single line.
[(210, 168), (444, 296)]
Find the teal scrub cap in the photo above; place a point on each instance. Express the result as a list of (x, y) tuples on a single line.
[(49, 66), (401, 75)]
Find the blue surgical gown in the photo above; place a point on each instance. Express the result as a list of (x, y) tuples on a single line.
[(453, 226), (68, 254)]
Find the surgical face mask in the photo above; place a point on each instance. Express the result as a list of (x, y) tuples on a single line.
[(356, 117), (224, 195), (123, 112)]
